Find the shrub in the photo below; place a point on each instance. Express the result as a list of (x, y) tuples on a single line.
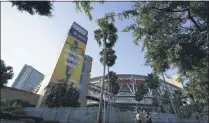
[(10, 116), (18, 111), (28, 120)]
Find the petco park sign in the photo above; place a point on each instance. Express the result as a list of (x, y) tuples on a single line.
[(130, 80)]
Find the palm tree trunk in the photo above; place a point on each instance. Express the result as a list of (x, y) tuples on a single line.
[(171, 99), (108, 102), (99, 116)]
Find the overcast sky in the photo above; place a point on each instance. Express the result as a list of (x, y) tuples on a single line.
[(37, 40)]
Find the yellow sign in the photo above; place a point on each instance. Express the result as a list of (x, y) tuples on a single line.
[(69, 65)]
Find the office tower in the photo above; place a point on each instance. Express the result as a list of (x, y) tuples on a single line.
[(28, 79)]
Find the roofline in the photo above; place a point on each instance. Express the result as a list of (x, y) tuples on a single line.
[(98, 77)]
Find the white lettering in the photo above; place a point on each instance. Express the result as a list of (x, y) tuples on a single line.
[(73, 53), (79, 29), (71, 59), (70, 65)]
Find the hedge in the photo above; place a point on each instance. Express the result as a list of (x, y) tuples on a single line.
[(10, 116)]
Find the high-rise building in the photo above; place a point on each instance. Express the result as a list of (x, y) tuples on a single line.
[(28, 79), (73, 66)]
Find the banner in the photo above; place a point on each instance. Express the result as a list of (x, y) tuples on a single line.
[(69, 65)]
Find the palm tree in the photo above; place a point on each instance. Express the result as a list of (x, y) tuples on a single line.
[(107, 36), (110, 61)]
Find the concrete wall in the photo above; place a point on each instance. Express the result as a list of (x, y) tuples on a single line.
[(13, 93), (89, 115)]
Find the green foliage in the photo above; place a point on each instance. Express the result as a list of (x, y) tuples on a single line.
[(62, 95), (14, 106), (10, 116), (6, 73), (21, 102), (110, 58), (86, 6), (165, 98), (113, 83), (174, 34), (171, 33), (106, 34), (141, 91), (43, 8), (152, 81)]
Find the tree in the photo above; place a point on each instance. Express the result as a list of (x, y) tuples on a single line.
[(86, 7), (113, 82), (174, 35), (62, 95), (152, 81), (165, 104), (43, 8), (197, 97), (179, 102), (14, 106), (6, 73), (111, 76), (106, 35), (140, 92)]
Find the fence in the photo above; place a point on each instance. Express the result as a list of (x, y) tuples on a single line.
[(89, 115), (69, 115)]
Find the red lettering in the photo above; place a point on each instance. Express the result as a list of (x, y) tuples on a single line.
[(131, 81)]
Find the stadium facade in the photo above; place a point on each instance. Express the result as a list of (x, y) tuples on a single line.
[(128, 87)]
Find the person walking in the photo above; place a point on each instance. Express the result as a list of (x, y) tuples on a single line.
[(148, 118), (138, 117)]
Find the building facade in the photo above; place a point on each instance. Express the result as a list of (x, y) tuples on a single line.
[(128, 86), (28, 79), (73, 66), (83, 87)]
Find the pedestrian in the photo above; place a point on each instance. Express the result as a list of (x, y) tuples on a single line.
[(148, 118), (197, 117), (138, 117)]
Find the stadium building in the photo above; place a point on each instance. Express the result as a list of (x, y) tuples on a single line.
[(128, 87)]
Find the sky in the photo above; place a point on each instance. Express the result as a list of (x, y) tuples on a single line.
[(37, 40)]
